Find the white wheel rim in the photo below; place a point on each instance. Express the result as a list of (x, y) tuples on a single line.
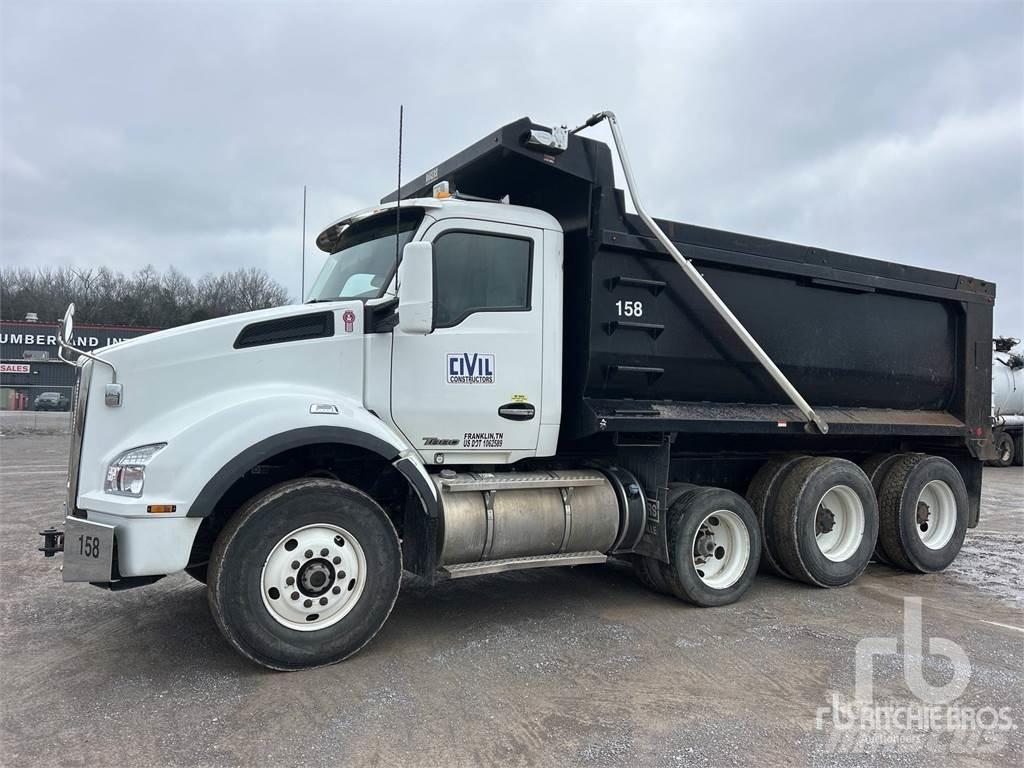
[(313, 577), (936, 514), (839, 523), (721, 549)]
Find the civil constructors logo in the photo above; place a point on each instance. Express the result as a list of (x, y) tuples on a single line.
[(933, 722)]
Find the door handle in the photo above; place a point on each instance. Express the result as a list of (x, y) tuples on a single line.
[(517, 411)]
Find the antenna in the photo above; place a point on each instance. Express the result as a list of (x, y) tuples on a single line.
[(302, 296), (398, 197)]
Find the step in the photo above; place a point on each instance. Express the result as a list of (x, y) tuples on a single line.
[(521, 563), (519, 481)]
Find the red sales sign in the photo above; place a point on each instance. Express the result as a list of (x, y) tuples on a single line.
[(15, 368)]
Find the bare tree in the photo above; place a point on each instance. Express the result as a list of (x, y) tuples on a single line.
[(145, 298)]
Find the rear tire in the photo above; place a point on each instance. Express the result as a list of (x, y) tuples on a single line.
[(922, 513), (714, 547), (826, 522), (648, 570), (1006, 450), (305, 574), (761, 494), (876, 467)]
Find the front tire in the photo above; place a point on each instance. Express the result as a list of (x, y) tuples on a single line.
[(305, 574)]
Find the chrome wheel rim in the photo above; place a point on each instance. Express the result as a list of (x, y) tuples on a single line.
[(721, 549), (839, 523), (936, 514), (313, 577)]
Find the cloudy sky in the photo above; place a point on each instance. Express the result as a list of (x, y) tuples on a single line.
[(182, 133)]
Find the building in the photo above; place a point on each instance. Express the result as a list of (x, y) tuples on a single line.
[(30, 366)]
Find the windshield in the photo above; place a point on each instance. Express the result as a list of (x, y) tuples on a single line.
[(364, 260)]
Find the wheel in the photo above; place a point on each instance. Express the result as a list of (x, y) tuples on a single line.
[(648, 573), (761, 495), (922, 513), (1005, 450), (1018, 450), (648, 569), (825, 522), (304, 574), (714, 547), (198, 572), (876, 467)]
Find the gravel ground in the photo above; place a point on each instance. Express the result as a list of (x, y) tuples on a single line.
[(34, 423), (574, 666)]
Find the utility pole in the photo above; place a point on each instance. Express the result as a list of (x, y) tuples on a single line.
[(302, 289)]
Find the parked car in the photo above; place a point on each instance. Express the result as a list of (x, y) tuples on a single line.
[(51, 401)]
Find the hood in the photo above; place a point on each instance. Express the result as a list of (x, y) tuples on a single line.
[(218, 328), (171, 377)]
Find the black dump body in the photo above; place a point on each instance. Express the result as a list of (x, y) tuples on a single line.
[(878, 349)]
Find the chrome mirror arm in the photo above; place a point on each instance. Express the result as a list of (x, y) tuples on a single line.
[(62, 345)]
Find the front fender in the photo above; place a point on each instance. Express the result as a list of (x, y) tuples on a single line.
[(215, 448)]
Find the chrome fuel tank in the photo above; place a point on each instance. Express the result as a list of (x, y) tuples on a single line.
[(491, 516)]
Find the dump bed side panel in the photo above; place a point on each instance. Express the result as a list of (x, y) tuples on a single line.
[(653, 336)]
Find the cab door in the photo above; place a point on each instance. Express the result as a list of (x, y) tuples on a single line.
[(469, 391)]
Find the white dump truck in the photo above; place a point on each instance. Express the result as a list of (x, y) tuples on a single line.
[(499, 367)]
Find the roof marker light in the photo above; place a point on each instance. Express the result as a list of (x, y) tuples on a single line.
[(441, 190)]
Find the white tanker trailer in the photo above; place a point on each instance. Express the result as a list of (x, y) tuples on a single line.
[(1008, 401)]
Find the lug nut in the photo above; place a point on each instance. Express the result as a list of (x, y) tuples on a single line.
[(295, 565), (309, 553), (336, 591), (308, 603), (323, 601), (341, 574), (324, 552), (337, 560), (289, 581), (295, 595)]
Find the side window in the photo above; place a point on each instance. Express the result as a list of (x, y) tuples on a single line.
[(478, 272)]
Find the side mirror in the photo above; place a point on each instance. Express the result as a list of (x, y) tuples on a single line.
[(67, 325), (416, 288)]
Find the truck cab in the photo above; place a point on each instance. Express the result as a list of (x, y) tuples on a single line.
[(480, 380)]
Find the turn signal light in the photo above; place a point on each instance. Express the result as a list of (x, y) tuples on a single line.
[(160, 509)]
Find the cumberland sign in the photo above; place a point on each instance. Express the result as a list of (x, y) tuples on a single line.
[(18, 340), (50, 340)]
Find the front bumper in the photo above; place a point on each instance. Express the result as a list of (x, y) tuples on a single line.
[(106, 548)]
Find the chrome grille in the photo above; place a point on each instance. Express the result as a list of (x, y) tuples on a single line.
[(80, 400)]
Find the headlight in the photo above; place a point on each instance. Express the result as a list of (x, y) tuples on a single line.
[(127, 473)]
